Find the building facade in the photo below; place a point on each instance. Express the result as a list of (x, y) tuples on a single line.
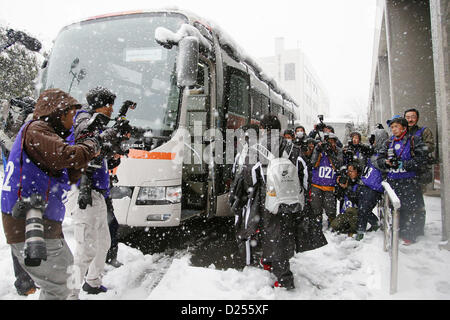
[(411, 69), (293, 72)]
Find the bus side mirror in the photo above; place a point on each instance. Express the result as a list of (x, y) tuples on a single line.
[(187, 61)]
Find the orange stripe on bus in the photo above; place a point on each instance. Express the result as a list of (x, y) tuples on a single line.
[(141, 154)]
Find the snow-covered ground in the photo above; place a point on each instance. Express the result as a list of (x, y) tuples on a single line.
[(343, 269)]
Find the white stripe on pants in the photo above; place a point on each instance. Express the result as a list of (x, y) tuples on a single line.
[(92, 239)]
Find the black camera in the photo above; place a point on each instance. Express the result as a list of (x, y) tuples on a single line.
[(109, 148), (32, 209), (392, 157), (350, 152), (343, 176), (320, 126)]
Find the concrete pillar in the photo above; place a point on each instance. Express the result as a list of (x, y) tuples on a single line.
[(385, 93), (377, 103), (371, 115), (440, 18), (410, 59)]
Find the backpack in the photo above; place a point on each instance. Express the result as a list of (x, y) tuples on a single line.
[(282, 185)]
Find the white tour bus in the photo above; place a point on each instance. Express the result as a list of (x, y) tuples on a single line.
[(185, 76)]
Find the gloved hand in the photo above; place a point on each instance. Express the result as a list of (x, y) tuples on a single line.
[(319, 147), (108, 135)]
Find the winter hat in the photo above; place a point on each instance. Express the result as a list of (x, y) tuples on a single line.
[(100, 97), (53, 102), (388, 122), (400, 120), (289, 132)]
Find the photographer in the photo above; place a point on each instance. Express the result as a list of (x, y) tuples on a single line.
[(13, 115), (371, 189), (327, 158), (92, 233), (321, 129), (49, 165), (347, 193), (355, 151), (425, 175), (403, 156)]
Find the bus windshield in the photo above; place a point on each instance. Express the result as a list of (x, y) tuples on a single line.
[(120, 53)]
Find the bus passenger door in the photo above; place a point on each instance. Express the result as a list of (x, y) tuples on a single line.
[(237, 103), (196, 171)]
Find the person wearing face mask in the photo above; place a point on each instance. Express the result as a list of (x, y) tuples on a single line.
[(403, 156)]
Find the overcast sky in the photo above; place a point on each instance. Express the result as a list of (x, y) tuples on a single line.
[(336, 35)]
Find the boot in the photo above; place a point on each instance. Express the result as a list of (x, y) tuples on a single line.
[(115, 263), (93, 290)]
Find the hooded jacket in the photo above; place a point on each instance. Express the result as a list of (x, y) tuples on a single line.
[(45, 146)]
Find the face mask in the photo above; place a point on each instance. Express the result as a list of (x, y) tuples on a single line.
[(300, 135)]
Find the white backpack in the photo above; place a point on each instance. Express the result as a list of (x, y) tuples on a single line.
[(282, 185)]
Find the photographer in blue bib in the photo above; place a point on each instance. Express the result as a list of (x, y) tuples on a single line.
[(327, 159), (40, 168), (88, 204), (404, 156)]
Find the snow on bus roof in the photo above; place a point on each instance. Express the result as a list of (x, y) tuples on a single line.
[(224, 39)]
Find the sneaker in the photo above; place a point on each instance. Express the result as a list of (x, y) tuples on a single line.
[(359, 236), (277, 284), (407, 242), (27, 292), (266, 267), (115, 263), (373, 228), (93, 290)]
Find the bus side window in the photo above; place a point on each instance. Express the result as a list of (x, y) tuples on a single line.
[(238, 101), (198, 94), (264, 105), (256, 105), (202, 86)]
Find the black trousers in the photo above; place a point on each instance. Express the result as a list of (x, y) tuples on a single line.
[(368, 199), (113, 229)]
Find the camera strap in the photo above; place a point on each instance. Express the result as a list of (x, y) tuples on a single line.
[(403, 146), (22, 142)]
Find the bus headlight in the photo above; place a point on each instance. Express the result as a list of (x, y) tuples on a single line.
[(173, 194), (158, 195)]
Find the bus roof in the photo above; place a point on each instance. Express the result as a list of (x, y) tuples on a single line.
[(224, 40)]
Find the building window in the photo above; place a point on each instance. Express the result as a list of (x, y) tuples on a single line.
[(289, 71)]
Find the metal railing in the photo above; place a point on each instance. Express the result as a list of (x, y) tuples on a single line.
[(388, 210)]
